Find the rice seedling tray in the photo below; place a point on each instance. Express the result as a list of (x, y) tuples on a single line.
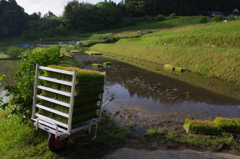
[(66, 100), (201, 127)]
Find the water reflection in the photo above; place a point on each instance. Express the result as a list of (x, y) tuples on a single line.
[(153, 94)]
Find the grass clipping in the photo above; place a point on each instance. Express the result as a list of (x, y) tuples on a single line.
[(89, 86)]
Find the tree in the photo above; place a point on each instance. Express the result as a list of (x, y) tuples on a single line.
[(12, 16), (217, 18)]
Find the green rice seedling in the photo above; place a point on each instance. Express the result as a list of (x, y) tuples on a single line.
[(88, 84), (155, 133), (75, 51), (86, 98), (169, 67), (62, 108), (52, 74), (226, 123), (63, 98), (203, 127), (83, 76), (96, 65), (61, 118), (93, 53), (51, 85), (49, 94), (107, 63), (179, 69)]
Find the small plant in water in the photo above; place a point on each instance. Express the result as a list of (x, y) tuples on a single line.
[(155, 133), (171, 135)]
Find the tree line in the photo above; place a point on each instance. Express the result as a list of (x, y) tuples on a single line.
[(179, 7), (86, 17)]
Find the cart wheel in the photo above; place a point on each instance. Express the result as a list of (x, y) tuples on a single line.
[(56, 145)]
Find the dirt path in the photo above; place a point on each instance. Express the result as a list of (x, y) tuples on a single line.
[(126, 153)]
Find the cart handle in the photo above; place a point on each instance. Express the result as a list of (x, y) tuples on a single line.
[(108, 101)]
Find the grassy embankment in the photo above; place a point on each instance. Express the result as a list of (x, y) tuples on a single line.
[(210, 49)]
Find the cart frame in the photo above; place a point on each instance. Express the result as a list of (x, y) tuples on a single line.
[(59, 129)]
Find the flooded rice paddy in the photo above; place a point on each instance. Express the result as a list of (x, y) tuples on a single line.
[(146, 99), (147, 96)]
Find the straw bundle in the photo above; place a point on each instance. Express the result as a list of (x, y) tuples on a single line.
[(89, 86)]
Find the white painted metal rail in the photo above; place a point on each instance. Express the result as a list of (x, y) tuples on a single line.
[(49, 124)]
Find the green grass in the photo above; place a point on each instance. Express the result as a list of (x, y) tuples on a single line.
[(203, 141), (207, 49), (26, 142), (155, 133), (13, 135), (179, 21)]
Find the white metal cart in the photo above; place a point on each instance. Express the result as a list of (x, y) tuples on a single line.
[(60, 131)]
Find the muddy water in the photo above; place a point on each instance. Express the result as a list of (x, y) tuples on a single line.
[(7, 68), (145, 99)]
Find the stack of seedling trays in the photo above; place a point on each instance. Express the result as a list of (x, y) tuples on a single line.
[(218, 125), (67, 98)]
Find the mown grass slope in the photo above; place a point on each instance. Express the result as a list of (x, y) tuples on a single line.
[(210, 49)]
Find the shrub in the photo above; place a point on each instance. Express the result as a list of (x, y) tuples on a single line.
[(21, 91), (13, 52), (217, 18), (231, 17), (203, 20), (159, 18), (155, 132), (172, 16)]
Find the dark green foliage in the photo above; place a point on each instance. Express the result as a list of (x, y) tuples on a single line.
[(217, 18), (203, 20), (22, 89), (159, 18), (231, 17), (138, 8), (12, 18), (172, 16), (13, 52), (89, 17)]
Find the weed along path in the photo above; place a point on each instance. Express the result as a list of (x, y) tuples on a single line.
[(145, 99)]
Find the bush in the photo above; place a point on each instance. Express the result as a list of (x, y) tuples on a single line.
[(159, 18), (231, 17), (21, 92), (172, 16), (217, 18), (61, 30), (203, 20), (13, 52)]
